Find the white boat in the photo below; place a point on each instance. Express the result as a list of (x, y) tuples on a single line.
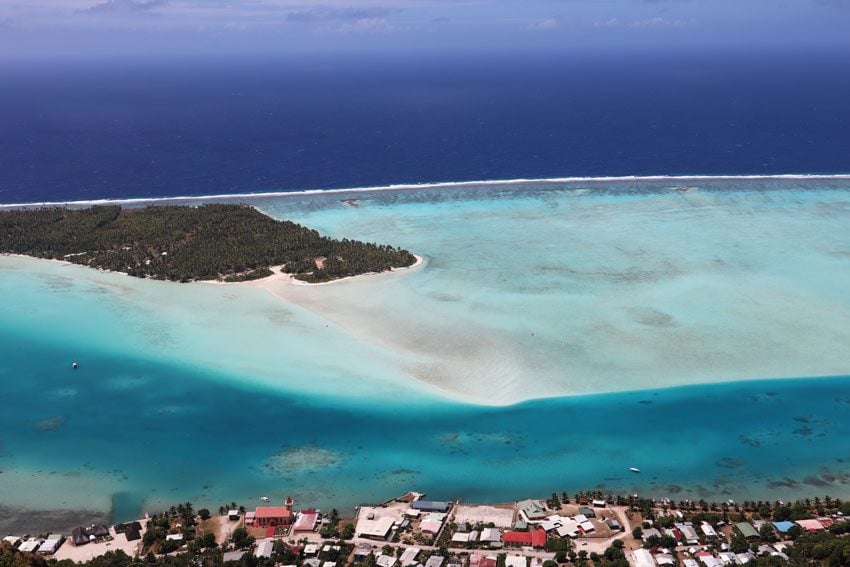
[(74, 365), (634, 469), (264, 498)]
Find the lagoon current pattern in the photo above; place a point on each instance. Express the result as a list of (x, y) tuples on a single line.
[(558, 333)]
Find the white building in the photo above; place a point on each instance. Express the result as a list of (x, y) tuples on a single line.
[(643, 558)]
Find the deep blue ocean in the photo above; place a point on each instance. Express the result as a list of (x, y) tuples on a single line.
[(84, 129)]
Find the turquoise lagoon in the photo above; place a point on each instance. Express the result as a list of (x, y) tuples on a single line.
[(557, 334)]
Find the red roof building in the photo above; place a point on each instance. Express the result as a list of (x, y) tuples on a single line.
[(272, 516), (536, 538), (477, 560), (306, 521)]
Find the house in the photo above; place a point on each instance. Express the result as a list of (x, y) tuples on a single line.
[(430, 506), (273, 516), (708, 529), (689, 534), (665, 559), (515, 561), (133, 534), (650, 532), (313, 562), (690, 563), (408, 557), (311, 549), (377, 528), (810, 525), (249, 518), (537, 538), (549, 525), (643, 558), (264, 548), (747, 530), (598, 503), (585, 511), (385, 561), (460, 538), (51, 544), (232, 555), (430, 526), (30, 545), (174, 537), (478, 560), (783, 527), (568, 528), (83, 535), (615, 525), (435, 561), (490, 535), (531, 510), (12, 540), (233, 515), (727, 557), (709, 560), (306, 521), (126, 527)]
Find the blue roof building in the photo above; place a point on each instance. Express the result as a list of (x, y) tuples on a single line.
[(783, 527)]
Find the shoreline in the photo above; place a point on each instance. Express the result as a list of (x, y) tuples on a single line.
[(276, 276), (290, 279), (428, 185)]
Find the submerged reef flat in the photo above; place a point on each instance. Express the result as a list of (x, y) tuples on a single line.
[(549, 289)]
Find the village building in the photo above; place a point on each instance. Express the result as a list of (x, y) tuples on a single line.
[(30, 545), (643, 558), (708, 530), (783, 527), (490, 535), (747, 530), (408, 556), (479, 560), (264, 548), (537, 538), (430, 506), (810, 525), (306, 521), (531, 510), (51, 544), (83, 535)]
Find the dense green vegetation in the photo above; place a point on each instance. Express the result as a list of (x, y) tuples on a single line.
[(232, 242)]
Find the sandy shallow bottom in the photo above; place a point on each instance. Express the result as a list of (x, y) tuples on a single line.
[(347, 393), (548, 293)]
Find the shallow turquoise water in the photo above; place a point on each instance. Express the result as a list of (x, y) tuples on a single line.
[(352, 392)]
